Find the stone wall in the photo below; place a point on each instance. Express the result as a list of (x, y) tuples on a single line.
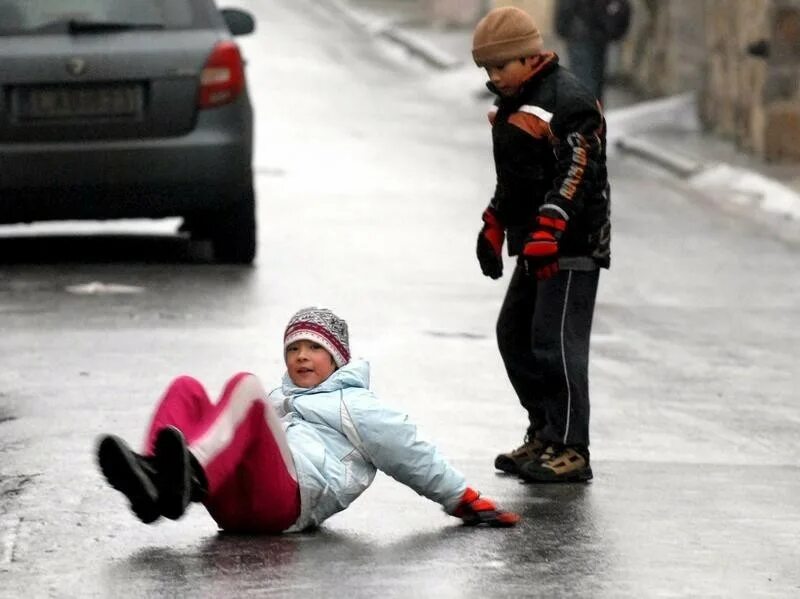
[(779, 117), (732, 93), (665, 49), (705, 46)]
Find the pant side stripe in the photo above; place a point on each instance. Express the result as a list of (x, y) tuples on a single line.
[(220, 434), (564, 356)]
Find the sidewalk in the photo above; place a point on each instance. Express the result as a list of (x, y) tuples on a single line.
[(656, 131), (732, 179)]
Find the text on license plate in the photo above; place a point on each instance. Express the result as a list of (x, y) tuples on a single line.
[(79, 102)]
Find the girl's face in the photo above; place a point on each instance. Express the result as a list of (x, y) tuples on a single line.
[(308, 363), (509, 76)]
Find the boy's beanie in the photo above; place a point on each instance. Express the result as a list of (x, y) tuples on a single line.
[(320, 326), (504, 34)]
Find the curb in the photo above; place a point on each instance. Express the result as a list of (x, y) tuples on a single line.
[(749, 188), (421, 48), (677, 164), (650, 114), (392, 32), (739, 189)]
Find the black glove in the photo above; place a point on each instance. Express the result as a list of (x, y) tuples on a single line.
[(541, 247), (490, 245)]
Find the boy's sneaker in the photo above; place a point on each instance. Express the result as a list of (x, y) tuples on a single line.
[(174, 472), (131, 474), (558, 464), (512, 461)]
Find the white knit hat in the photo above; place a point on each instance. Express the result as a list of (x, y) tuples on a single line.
[(322, 326)]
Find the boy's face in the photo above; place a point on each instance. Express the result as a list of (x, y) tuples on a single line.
[(509, 77), (308, 363)]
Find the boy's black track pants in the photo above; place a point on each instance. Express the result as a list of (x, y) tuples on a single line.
[(543, 332)]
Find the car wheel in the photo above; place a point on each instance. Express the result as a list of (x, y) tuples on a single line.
[(233, 235)]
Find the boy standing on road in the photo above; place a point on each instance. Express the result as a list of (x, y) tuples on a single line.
[(551, 206)]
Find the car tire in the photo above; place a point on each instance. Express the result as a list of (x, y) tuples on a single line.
[(233, 234)]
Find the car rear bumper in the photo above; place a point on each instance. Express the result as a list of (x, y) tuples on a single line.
[(130, 178)]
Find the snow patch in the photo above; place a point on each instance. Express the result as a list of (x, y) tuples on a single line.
[(749, 188)]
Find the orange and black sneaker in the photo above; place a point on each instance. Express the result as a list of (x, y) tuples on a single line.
[(512, 461), (556, 464)]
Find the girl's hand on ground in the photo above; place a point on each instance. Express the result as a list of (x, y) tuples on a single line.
[(475, 510)]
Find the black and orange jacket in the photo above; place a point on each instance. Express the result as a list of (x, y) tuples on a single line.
[(550, 148)]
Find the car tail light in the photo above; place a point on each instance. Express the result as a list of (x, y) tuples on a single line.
[(222, 78)]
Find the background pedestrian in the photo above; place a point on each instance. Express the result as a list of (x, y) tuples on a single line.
[(588, 27)]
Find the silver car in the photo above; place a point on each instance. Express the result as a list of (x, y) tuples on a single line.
[(128, 109)]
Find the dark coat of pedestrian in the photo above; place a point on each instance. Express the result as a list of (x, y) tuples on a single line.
[(588, 27)]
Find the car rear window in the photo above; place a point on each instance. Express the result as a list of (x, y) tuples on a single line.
[(44, 16)]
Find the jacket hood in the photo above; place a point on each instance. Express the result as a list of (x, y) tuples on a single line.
[(353, 374)]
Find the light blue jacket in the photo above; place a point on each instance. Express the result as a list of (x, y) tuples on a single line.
[(339, 434)]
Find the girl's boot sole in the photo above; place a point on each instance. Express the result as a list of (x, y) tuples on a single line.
[(122, 471)]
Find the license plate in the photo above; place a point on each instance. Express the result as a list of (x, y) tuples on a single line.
[(74, 102)]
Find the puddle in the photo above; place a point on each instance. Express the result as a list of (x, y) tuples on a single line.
[(98, 288)]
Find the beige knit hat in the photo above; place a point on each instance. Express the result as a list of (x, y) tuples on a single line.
[(504, 34)]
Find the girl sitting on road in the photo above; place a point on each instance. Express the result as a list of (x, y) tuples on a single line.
[(287, 460)]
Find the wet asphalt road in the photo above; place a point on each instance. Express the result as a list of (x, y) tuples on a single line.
[(372, 175)]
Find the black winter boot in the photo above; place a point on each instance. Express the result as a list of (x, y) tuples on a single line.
[(180, 478), (199, 483), (131, 474)]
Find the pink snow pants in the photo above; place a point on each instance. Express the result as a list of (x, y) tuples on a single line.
[(242, 447)]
